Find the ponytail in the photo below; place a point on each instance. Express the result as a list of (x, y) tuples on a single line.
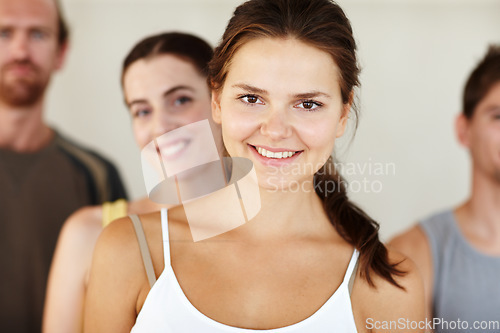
[(324, 25), (355, 226)]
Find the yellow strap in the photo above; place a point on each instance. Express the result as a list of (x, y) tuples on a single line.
[(113, 210)]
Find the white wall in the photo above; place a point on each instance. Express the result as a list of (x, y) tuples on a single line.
[(415, 56)]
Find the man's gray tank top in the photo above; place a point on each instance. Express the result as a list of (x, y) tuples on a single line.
[(466, 282)]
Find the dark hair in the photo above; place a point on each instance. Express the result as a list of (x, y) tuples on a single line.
[(322, 24), (185, 46), (485, 75), (63, 33)]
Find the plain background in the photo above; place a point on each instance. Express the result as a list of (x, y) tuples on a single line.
[(415, 55)]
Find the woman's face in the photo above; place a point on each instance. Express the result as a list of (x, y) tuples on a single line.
[(163, 93), (281, 107)]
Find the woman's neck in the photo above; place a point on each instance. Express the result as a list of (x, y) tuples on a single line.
[(285, 214)]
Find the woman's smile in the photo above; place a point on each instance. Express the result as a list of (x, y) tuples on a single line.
[(275, 120), (274, 156)]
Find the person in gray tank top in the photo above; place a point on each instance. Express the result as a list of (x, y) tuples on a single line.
[(458, 251)]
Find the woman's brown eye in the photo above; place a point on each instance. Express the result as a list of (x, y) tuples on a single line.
[(252, 99), (308, 105)]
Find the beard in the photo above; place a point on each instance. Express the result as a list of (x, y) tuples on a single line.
[(22, 90), (496, 176)]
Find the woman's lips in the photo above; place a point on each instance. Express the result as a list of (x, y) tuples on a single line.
[(275, 156), (172, 150)]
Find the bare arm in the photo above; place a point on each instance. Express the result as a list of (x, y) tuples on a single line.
[(116, 280), (387, 308), (63, 310), (415, 245)]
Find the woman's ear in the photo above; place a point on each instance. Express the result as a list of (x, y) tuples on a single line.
[(346, 110), (462, 130), (216, 112), (342, 123)]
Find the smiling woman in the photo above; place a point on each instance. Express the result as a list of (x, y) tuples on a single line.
[(275, 115), (164, 85), (283, 80), (146, 93)]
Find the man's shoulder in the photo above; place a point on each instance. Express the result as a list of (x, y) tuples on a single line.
[(99, 170), (441, 216), (417, 236), (439, 226), (79, 151)]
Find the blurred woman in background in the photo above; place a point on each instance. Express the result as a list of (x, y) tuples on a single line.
[(164, 82)]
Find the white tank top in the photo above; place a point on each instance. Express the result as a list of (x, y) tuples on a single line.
[(167, 309)]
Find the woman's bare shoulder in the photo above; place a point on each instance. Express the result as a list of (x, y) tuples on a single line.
[(384, 302), (117, 251), (117, 277), (119, 240), (118, 234), (83, 227), (410, 282)]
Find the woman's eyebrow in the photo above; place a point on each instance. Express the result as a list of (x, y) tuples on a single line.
[(136, 101), (250, 88), (255, 90), (493, 108), (311, 94), (176, 88), (165, 94)]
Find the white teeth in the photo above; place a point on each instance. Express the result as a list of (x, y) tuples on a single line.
[(270, 154), (173, 149)]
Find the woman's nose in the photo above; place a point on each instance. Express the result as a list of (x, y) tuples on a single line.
[(165, 123), (276, 124)]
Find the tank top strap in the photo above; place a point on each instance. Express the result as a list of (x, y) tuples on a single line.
[(166, 238), (143, 246), (351, 269)]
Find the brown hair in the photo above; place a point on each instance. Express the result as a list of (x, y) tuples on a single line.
[(485, 75), (63, 31), (187, 47), (322, 24)]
